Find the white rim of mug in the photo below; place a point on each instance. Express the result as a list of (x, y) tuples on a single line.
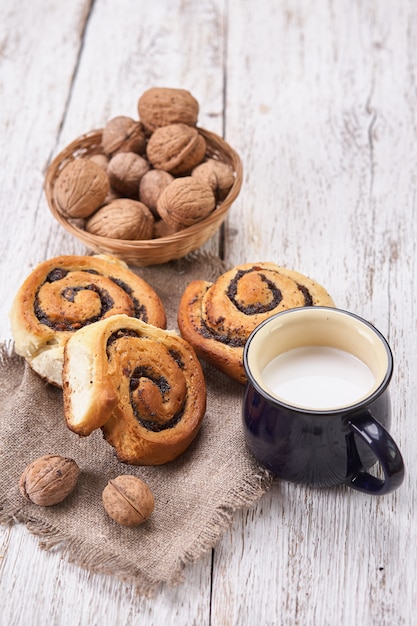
[(331, 411)]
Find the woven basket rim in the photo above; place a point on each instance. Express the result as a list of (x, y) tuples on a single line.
[(89, 143)]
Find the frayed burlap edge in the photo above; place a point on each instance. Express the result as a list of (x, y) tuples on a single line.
[(80, 554), (243, 495)]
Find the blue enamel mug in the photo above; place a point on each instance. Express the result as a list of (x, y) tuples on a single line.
[(316, 405)]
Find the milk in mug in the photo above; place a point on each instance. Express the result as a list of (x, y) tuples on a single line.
[(318, 377)]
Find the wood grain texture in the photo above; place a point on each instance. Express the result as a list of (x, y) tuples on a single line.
[(334, 199), (88, 56), (319, 99)]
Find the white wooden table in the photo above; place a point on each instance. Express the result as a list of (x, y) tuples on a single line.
[(320, 100)]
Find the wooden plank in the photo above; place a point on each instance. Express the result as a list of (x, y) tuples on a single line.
[(320, 103), (75, 81), (326, 127), (75, 84), (37, 64), (138, 45), (38, 588)]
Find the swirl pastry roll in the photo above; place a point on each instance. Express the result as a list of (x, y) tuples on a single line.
[(217, 318), (143, 386), (65, 293)]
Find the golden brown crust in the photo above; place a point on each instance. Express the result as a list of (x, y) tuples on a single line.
[(64, 293), (143, 386), (217, 318)]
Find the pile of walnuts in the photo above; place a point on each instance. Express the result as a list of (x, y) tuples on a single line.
[(152, 178)]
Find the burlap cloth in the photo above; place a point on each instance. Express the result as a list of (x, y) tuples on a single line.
[(195, 496)]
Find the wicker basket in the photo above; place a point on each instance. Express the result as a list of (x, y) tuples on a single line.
[(150, 251)]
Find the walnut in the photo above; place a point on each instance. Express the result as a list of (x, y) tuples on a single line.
[(122, 134), (101, 159), (176, 148), (125, 172), (151, 186), (217, 174), (185, 202), (160, 106), (49, 479), (112, 195), (162, 229), (128, 500), (81, 188), (122, 219)]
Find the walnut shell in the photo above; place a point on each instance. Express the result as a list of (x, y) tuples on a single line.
[(100, 159), (125, 171), (128, 500), (185, 202), (81, 188), (123, 134), (160, 106), (122, 219), (176, 148), (162, 229), (112, 195), (49, 479), (151, 186), (217, 174)]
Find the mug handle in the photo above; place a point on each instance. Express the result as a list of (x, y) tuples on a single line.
[(386, 452)]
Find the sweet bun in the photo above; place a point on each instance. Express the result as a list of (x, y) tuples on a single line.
[(217, 318), (143, 386), (63, 294)]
